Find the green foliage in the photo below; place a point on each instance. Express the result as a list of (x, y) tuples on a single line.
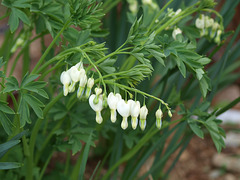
[(141, 59)]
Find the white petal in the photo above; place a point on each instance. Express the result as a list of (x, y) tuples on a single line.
[(123, 108), (65, 78), (98, 106)]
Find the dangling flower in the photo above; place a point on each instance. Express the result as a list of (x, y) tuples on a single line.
[(97, 107), (82, 83), (123, 109), (178, 11), (143, 117), (175, 32), (90, 84), (215, 26), (218, 37), (112, 101), (169, 113), (159, 116), (79, 65), (200, 22), (75, 75), (65, 80), (134, 111)]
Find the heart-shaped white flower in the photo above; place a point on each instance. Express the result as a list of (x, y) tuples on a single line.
[(112, 101), (123, 109), (134, 112), (90, 84), (65, 80), (82, 84), (97, 107)]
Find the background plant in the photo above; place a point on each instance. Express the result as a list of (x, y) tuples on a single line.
[(139, 59)]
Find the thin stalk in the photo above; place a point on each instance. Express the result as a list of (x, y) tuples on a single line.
[(45, 165), (66, 25), (159, 13), (228, 106), (100, 75), (67, 162), (35, 132), (152, 131), (138, 91), (46, 141)]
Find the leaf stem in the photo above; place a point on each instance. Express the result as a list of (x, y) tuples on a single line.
[(66, 25)]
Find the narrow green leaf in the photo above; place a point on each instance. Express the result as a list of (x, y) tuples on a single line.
[(158, 56), (13, 21), (43, 93), (35, 104), (196, 129), (28, 78), (85, 157), (6, 109), (6, 123), (24, 112), (11, 85), (9, 165), (22, 16), (7, 145)]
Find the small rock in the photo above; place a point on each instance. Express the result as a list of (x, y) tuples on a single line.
[(229, 177), (232, 139), (215, 174), (229, 162)]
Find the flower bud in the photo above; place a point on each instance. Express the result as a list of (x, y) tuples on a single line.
[(65, 80), (98, 91), (169, 113), (159, 116), (82, 83), (143, 116), (218, 37), (90, 84)]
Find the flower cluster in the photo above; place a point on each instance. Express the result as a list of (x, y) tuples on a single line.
[(76, 76), (124, 108), (71, 77), (208, 26)]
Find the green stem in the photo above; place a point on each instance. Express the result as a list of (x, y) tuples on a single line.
[(138, 91), (66, 25), (159, 13), (152, 131), (100, 75), (35, 132), (178, 17), (45, 165), (228, 106)]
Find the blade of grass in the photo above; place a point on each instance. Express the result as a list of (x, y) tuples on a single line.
[(85, 157)]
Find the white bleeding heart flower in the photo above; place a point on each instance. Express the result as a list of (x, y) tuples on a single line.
[(159, 116), (134, 112), (65, 80), (82, 84), (112, 101), (97, 107), (200, 22), (143, 117), (90, 84), (175, 32), (79, 65), (123, 109), (75, 75)]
